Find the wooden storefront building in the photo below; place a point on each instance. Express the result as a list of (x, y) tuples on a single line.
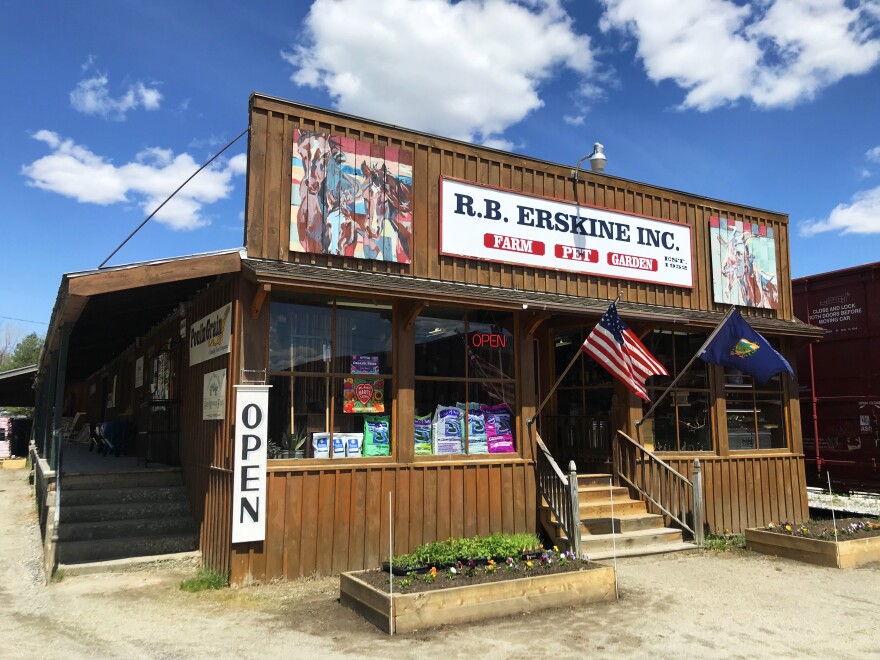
[(390, 278)]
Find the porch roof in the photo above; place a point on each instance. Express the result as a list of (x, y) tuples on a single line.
[(415, 288)]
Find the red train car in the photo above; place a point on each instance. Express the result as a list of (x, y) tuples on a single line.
[(839, 377)]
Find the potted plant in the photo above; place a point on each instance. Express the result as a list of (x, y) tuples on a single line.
[(293, 443)]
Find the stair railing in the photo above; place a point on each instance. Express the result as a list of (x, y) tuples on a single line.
[(660, 484), (560, 491)]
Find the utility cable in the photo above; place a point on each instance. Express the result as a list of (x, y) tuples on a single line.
[(168, 199)]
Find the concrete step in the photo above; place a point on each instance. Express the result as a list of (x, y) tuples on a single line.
[(121, 529), (78, 552), (644, 550), (76, 497), (134, 510), (622, 524), (602, 493), (594, 480), (600, 543), (131, 479)]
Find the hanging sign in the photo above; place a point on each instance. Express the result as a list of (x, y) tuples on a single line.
[(139, 372), (484, 223), (209, 337), (249, 463), (363, 395), (214, 395)]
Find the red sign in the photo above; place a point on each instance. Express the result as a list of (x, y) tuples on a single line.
[(632, 261), (577, 254), (490, 339), (513, 244)]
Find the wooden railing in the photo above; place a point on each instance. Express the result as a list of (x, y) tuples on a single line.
[(667, 490), (560, 491)]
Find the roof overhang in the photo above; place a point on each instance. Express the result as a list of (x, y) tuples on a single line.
[(17, 387), (305, 276), (108, 308)]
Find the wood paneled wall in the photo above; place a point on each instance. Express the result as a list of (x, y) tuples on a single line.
[(330, 519), (205, 446), (269, 193), (749, 491)]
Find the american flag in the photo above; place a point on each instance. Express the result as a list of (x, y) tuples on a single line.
[(620, 352)]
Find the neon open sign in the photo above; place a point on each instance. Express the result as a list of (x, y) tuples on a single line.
[(489, 340)]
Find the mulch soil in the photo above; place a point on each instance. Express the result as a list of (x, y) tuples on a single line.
[(466, 577), (816, 528)]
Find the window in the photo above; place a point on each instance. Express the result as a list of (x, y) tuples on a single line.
[(755, 412), (681, 422), (465, 382), (330, 367)]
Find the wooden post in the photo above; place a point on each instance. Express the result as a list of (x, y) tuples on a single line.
[(698, 503), (575, 509)]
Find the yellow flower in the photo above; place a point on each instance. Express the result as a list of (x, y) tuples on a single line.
[(555, 549), (529, 564), (788, 528), (433, 571)]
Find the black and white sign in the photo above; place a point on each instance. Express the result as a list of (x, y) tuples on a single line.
[(249, 463), (484, 223)]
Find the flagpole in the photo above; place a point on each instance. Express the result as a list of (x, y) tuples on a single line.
[(709, 339), (531, 420)]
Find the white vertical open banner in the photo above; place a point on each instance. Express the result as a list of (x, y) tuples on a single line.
[(249, 463)]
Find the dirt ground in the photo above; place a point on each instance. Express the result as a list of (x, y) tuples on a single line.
[(685, 605)]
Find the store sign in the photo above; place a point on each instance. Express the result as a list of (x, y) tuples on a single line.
[(477, 222), (363, 395), (214, 395), (365, 364), (249, 463), (489, 340), (210, 336)]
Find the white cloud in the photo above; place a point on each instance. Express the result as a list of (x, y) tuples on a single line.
[(92, 97), (74, 171), (774, 53), (862, 216), (873, 154), (576, 120), (467, 69)]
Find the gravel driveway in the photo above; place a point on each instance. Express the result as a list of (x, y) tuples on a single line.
[(685, 605)]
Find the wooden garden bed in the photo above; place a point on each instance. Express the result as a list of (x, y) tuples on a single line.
[(841, 554), (429, 609)]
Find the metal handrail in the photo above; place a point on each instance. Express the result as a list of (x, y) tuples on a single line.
[(660, 484), (560, 491)]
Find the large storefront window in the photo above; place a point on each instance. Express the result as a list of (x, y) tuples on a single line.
[(330, 367), (755, 412), (682, 421), (465, 382)]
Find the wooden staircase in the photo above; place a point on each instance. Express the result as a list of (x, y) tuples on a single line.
[(626, 529)]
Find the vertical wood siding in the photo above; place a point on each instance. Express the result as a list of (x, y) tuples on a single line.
[(749, 491), (205, 445), (269, 195), (333, 519)]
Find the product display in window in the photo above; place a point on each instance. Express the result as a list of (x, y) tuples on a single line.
[(471, 428), (377, 436)]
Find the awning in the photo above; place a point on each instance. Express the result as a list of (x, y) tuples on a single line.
[(17, 387), (358, 282)]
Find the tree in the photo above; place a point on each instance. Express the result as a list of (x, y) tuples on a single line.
[(23, 353)]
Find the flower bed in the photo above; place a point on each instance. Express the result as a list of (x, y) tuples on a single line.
[(857, 542), (505, 574)]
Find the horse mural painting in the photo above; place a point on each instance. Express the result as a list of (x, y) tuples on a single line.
[(350, 198), (743, 263)]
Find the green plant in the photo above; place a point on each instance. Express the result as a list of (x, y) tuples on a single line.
[(207, 578), (58, 575), (725, 542)]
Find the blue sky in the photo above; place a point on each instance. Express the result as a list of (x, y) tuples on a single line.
[(110, 105)]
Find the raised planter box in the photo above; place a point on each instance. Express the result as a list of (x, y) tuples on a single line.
[(842, 554), (429, 609)]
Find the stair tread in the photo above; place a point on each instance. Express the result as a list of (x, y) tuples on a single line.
[(645, 550), (632, 534), (624, 516)]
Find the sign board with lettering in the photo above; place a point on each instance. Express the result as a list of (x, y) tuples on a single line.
[(249, 463), (840, 310), (478, 222), (209, 337), (214, 395)]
